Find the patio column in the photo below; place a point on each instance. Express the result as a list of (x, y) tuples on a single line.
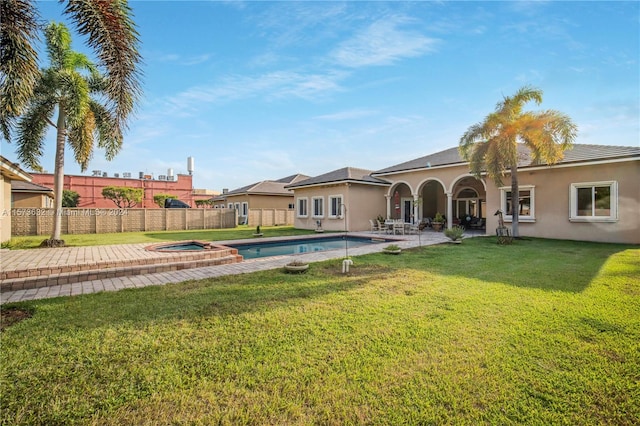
[(416, 209), (449, 209), (388, 198)]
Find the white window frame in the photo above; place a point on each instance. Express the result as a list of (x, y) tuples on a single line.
[(315, 214), (306, 207), (230, 206), (531, 217), (245, 209), (237, 207), (573, 202), (332, 214)]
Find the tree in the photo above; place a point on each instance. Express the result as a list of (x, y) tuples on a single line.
[(491, 146), (70, 198), (204, 203), (159, 199), (123, 196), (111, 33), (73, 87)]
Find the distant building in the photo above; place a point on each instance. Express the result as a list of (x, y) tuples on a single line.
[(30, 195), (90, 188), (266, 194)]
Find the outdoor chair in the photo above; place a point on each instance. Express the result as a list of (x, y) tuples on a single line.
[(375, 227), (382, 226), (398, 227)]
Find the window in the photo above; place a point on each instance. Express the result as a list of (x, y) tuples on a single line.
[(335, 205), (594, 202), (230, 205), (526, 204), (292, 206), (237, 206), (245, 208), (302, 207), (318, 206)]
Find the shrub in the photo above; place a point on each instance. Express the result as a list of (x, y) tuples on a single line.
[(454, 233)]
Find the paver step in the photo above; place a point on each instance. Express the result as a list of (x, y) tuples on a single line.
[(113, 263), (174, 264)]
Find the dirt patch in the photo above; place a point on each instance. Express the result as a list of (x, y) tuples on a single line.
[(11, 316)]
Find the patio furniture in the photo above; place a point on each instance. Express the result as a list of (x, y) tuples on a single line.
[(384, 227), (413, 228), (375, 226), (398, 227)]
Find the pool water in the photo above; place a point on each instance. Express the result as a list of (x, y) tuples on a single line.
[(189, 246), (185, 246), (300, 246)]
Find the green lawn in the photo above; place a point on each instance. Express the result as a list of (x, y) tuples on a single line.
[(77, 240), (541, 332)]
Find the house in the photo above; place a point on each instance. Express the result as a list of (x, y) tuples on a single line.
[(266, 194), (9, 172), (592, 194), (344, 199), (31, 195)]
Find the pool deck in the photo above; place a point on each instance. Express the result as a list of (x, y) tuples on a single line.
[(153, 268)]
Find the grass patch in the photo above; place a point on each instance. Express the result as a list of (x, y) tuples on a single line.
[(83, 240), (539, 332)]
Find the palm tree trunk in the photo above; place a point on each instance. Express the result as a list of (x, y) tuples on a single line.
[(515, 202), (58, 179)]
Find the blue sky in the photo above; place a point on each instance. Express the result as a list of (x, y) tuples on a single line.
[(261, 90)]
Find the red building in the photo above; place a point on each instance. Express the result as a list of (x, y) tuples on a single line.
[(90, 188)]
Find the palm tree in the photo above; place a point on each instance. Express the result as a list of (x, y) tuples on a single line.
[(491, 146), (111, 33), (71, 86)]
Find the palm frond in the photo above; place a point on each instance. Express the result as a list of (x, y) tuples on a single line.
[(32, 128), (108, 133), (58, 39), (18, 60), (75, 96), (113, 35), (81, 140)]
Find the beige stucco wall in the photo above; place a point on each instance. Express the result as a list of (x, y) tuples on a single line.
[(363, 202), (30, 200), (552, 196), (5, 209), (552, 187)]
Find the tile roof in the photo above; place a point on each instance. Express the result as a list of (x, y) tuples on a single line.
[(346, 174), (22, 186), (271, 187), (580, 153)]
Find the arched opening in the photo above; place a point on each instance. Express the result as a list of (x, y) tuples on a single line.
[(433, 200), (469, 202), (401, 203)]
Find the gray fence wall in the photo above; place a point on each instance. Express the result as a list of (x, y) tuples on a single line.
[(32, 221)]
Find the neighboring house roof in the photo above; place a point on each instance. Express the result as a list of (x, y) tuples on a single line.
[(20, 186), (13, 171), (580, 153), (346, 174), (265, 187)]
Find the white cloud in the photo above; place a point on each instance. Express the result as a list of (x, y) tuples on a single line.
[(274, 85), (382, 43), (347, 115)]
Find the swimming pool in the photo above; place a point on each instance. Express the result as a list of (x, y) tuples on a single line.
[(300, 246)]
